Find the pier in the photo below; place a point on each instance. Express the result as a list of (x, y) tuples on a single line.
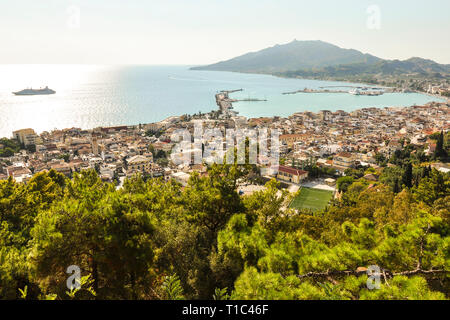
[(231, 91), (225, 103), (251, 99)]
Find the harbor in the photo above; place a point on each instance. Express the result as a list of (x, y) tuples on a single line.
[(225, 103), (357, 91)]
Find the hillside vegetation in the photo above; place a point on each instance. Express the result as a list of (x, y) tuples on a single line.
[(155, 240)]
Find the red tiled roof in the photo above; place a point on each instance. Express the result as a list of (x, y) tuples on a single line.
[(291, 170), (345, 154)]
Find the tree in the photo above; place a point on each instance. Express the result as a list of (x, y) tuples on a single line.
[(407, 176), (432, 188), (343, 183), (31, 148), (440, 152), (8, 147), (103, 234), (156, 240), (380, 159)]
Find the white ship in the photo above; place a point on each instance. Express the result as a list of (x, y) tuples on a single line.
[(32, 92), (355, 92), (365, 92)]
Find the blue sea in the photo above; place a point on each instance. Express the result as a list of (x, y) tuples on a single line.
[(89, 96)]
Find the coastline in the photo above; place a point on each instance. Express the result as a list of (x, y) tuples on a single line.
[(90, 104), (348, 81), (446, 99), (169, 118)]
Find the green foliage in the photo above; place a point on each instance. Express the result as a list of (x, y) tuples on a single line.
[(31, 148), (65, 157), (433, 187), (407, 176), (221, 294), (356, 173), (206, 236), (172, 288), (440, 152), (402, 288), (84, 290), (24, 292), (380, 159), (343, 183), (8, 147), (156, 133), (331, 291)]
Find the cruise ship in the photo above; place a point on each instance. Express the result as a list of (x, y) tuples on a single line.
[(32, 92)]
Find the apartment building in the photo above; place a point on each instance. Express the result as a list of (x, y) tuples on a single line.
[(138, 163), (343, 159), (27, 137)]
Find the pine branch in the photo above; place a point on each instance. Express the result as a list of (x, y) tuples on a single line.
[(420, 271), (332, 273), (386, 273)]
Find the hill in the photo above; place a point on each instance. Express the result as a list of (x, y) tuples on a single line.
[(295, 55), (413, 67), (318, 59)]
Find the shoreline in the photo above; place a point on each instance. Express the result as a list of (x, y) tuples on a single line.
[(436, 99), (207, 113), (447, 99)]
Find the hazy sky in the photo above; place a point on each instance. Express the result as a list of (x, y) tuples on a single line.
[(206, 31)]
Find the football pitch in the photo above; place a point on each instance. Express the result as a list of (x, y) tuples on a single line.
[(314, 199)]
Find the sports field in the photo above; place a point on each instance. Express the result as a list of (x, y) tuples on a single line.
[(314, 199)]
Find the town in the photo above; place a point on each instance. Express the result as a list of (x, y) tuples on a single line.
[(330, 141)]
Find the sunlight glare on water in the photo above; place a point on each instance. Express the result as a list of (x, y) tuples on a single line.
[(89, 96)]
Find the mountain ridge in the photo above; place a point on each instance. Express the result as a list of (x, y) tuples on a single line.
[(316, 58)]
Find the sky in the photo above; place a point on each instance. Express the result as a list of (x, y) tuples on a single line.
[(192, 32)]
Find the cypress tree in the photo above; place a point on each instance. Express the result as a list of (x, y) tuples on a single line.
[(407, 175), (440, 151), (396, 186)]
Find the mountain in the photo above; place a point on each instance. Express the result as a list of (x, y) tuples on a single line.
[(319, 59), (295, 55), (414, 67), (426, 65)]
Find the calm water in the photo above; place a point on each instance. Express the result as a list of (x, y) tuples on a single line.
[(91, 96)]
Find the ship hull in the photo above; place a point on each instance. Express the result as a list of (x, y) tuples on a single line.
[(32, 94)]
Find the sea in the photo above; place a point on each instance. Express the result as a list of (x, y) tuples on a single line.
[(89, 96)]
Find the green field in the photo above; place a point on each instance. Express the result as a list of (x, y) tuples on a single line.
[(313, 199)]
